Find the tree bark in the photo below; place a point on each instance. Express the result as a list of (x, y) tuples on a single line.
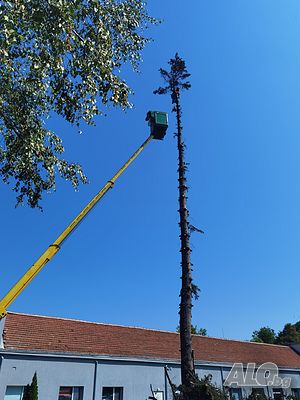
[(185, 309)]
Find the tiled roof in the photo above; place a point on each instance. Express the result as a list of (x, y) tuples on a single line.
[(58, 335)]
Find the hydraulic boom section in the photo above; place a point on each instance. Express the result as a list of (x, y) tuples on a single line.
[(158, 122)]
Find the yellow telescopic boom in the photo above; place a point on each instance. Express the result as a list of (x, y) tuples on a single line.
[(55, 246)]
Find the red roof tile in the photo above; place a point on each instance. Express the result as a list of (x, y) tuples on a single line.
[(58, 335)]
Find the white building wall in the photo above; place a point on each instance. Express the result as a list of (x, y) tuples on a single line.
[(133, 375)]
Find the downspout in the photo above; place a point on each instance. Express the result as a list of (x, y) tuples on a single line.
[(95, 379), (222, 377), (2, 324), (166, 383), (1, 360)]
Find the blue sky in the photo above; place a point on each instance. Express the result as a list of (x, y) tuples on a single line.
[(241, 124)]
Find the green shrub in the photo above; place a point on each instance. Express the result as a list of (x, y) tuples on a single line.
[(202, 389)]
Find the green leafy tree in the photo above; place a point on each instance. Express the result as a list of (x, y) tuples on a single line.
[(195, 330), (176, 81), (199, 331), (289, 334), (264, 335), (31, 391), (60, 57), (297, 325)]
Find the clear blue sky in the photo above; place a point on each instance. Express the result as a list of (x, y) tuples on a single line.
[(242, 127)]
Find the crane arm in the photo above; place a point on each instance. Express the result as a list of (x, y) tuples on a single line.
[(55, 246)]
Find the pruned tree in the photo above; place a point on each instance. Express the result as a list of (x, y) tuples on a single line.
[(64, 58), (176, 81)]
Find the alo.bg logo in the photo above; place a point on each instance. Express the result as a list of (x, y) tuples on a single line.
[(264, 375)]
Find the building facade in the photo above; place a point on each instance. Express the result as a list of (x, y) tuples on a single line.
[(77, 360)]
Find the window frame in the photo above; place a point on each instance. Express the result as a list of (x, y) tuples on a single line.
[(238, 390), (279, 393), (15, 386), (113, 391), (259, 390), (81, 391), (155, 392)]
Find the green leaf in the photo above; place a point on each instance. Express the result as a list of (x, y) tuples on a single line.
[(60, 57)]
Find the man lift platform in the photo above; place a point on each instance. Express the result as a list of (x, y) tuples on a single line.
[(158, 122)]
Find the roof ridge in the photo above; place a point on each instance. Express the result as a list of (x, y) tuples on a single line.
[(147, 329)]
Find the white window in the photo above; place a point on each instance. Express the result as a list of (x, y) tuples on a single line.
[(159, 394), (70, 393), (112, 393), (14, 393)]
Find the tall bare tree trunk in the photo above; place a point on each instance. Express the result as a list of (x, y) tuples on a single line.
[(176, 81), (185, 308)]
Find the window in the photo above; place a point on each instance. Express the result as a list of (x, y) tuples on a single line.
[(70, 393), (296, 393), (112, 393), (278, 394), (235, 394), (159, 394), (258, 393), (14, 393)]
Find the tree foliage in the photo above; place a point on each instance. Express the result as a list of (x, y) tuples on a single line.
[(62, 57), (289, 334), (199, 331), (202, 389), (31, 392), (195, 330), (175, 79), (264, 335), (34, 388)]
